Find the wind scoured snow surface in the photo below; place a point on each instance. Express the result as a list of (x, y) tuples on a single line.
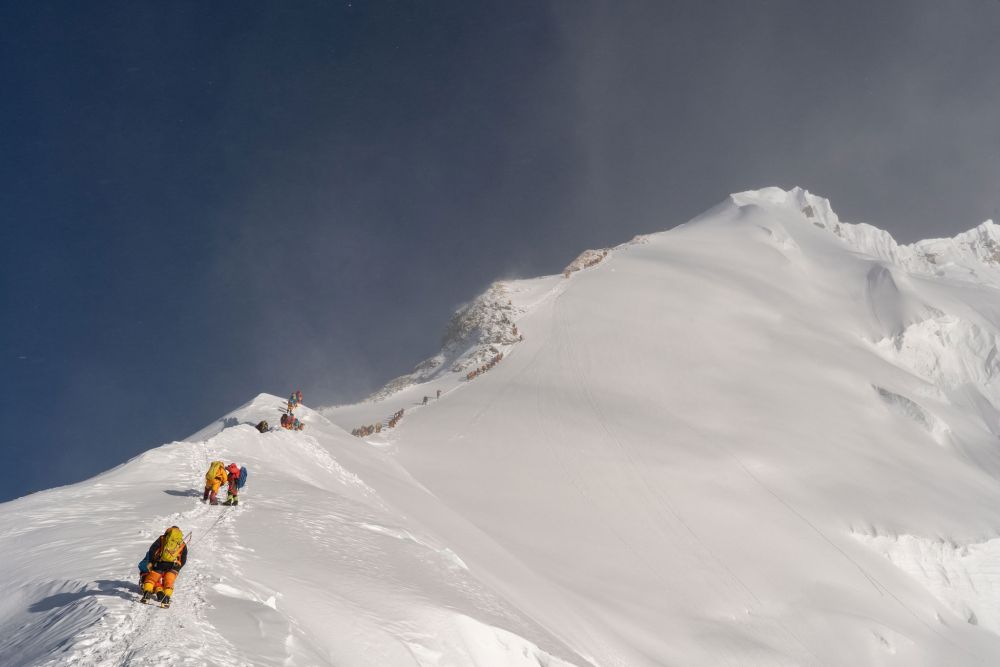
[(765, 437)]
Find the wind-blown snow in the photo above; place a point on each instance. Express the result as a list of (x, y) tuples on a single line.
[(763, 437)]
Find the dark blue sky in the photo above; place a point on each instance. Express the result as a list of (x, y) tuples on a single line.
[(202, 201)]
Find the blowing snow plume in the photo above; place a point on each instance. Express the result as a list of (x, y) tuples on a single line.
[(764, 437)]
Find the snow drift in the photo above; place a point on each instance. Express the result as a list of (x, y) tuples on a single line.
[(766, 436)]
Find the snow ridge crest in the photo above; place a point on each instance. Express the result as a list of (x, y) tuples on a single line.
[(970, 255)]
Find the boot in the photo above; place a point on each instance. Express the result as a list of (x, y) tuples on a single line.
[(204, 496)]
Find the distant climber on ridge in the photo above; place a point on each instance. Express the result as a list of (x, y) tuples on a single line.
[(214, 479), (163, 562)]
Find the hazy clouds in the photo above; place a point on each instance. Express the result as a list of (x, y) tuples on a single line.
[(889, 108)]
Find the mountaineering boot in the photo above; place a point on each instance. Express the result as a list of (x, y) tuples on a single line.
[(165, 602), (159, 596), (145, 597)]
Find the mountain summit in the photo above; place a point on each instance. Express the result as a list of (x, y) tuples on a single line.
[(765, 436)]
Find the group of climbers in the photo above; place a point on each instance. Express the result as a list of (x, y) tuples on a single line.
[(218, 474), (363, 431), (291, 422), (482, 369), (168, 553), (288, 419)]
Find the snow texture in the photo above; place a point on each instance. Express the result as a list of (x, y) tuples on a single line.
[(765, 437)]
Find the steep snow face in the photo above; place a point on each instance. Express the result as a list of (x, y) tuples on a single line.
[(948, 352), (687, 443), (763, 437)]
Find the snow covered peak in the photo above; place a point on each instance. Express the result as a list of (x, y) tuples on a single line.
[(973, 255), (981, 242), (770, 438), (798, 199)]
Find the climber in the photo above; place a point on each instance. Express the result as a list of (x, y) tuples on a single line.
[(294, 400), (164, 560), (214, 479), (237, 477)]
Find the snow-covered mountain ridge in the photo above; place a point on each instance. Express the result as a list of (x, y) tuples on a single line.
[(486, 326), (971, 255), (765, 436)]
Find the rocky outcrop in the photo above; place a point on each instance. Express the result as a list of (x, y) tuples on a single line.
[(477, 332), (585, 260)]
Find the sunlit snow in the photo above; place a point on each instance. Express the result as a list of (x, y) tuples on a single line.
[(764, 437)]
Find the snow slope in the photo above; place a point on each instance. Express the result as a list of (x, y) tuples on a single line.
[(312, 568), (763, 437)]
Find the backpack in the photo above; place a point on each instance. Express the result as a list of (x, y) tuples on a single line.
[(171, 545), (215, 469), (263, 427), (243, 478)]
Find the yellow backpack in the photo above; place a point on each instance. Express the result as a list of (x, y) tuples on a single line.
[(171, 545), (215, 469)]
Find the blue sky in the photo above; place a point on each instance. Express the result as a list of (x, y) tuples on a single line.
[(202, 201)]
